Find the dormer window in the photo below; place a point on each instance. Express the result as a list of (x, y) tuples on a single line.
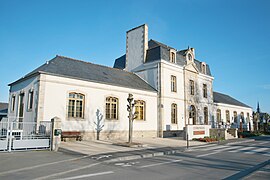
[(189, 57), (203, 68), (172, 56)]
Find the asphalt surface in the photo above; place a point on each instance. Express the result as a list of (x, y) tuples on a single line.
[(248, 160)]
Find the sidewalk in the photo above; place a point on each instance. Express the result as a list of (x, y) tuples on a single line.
[(109, 150)]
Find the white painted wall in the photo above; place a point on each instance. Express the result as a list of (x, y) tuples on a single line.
[(56, 101), (232, 108), (24, 87), (169, 97)]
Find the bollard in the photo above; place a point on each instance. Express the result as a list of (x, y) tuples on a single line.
[(187, 142)]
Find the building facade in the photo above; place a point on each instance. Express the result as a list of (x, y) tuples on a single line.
[(171, 88)]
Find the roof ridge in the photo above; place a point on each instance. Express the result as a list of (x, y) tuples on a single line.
[(162, 44), (93, 64)]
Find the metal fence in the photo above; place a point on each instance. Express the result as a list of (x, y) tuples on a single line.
[(17, 135)]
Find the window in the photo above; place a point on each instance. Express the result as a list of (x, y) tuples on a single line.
[(191, 84), (242, 117), (189, 57), (140, 109), (112, 108), (192, 114), (173, 84), (248, 118), (21, 109), (205, 110), (172, 57), (227, 116), (203, 68), (235, 116), (174, 113), (30, 100), (204, 90), (218, 115), (13, 101), (76, 105)]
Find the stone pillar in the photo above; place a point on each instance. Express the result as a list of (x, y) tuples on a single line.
[(56, 133)]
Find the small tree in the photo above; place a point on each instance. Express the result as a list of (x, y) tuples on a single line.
[(99, 126), (131, 116)]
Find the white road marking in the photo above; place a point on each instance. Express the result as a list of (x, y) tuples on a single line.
[(65, 172), (257, 150), (158, 164), (227, 148), (242, 149), (210, 148), (202, 155), (41, 165), (87, 175), (262, 143)]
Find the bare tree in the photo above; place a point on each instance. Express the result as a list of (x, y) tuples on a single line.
[(131, 116), (98, 124)]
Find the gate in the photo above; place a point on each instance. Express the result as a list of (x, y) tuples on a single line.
[(25, 135)]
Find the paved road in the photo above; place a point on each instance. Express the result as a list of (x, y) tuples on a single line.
[(235, 161)]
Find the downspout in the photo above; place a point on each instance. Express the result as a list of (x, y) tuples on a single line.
[(185, 99), (159, 113)]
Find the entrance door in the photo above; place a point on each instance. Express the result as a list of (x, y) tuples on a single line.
[(21, 110)]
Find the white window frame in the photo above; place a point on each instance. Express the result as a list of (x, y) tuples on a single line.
[(30, 100), (76, 100), (140, 114), (110, 103)]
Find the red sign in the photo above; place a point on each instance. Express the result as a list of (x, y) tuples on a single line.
[(198, 132)]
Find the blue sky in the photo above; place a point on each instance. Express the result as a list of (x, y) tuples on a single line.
[(232, 36)]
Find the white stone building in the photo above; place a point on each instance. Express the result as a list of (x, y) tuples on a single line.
[(171, 88)]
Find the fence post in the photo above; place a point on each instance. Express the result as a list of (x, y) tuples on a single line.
[(9, 134), (55, 133)]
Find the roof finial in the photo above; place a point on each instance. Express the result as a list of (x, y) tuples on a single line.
[(258, 107), (188, 47)]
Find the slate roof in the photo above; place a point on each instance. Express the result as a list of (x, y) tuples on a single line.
[(77, 69), (3, 108), (156, 51), (226, 99)]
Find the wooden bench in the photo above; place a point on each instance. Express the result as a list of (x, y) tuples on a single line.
[(71, 134)]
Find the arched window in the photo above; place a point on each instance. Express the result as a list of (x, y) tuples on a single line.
[(218, 115), (140, 109), (242, 117), (189, 57), (248, 118), (192, 114), (235, 116), (227, 116), (172, 57), (205, 112), (112, 108), (76, 105), (174, 113)]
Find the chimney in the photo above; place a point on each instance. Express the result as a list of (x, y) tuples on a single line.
[(136, 47)]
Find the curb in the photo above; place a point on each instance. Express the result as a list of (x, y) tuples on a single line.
[(64, 150), (153, 154), (147, 155)]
